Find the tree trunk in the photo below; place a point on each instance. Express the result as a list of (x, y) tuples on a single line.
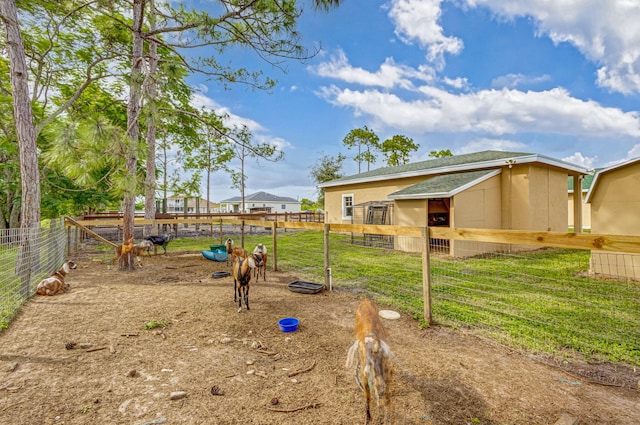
[(150, 180), (133, 116), (25, 130)]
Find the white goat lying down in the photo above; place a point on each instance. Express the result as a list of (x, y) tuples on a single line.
[(55, 283), (374, 372)]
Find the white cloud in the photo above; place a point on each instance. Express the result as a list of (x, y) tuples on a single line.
[(514, 80), (492, 144), (457, 83), (279, 143), (604, 31), (494, 112), (579, 159), (388, 76), (199, 100), (418, 20), (633, 153)]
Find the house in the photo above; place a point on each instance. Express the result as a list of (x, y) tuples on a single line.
[(261, 201), (489, 189), (586, 208), (615, 207), (176, 205)]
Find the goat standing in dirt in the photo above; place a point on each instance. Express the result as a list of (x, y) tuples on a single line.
[(261, 250), (55, 283), (374, 368), (160, 240), (137, 251), (242, 277), (234, 251)]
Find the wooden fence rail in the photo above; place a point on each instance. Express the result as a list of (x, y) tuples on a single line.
[(590, 241), (583, 241)]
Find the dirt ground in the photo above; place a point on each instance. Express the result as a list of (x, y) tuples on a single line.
[(85, 357)]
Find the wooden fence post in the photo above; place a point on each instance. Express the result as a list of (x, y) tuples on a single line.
[(274, 233), (69, 240), (426, 275)]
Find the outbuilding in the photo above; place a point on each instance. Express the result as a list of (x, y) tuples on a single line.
[(615, 209), (489, 189)]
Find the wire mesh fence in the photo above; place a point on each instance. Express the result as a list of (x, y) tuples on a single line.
[(26, 257), (546, 299)]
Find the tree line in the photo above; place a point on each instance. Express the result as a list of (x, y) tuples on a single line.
[(94, 95), (396, 150)]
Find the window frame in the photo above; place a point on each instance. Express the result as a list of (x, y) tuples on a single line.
[(345, 206)]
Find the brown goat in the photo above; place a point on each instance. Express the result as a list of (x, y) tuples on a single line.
[(374, 372), (137, 251), (242, 277), (55, 283), (234, 251)]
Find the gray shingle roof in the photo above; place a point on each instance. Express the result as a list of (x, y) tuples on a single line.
[(446, 161), (260, 197), (443, 186), (449, 164)]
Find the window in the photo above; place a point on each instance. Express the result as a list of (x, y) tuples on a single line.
[(347, 207)]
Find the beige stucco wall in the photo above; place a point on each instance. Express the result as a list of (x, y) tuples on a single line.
[(410, 212), (615, 209), (362, 192), (477, 207), (534, 197), (586, 211), (615, 202)]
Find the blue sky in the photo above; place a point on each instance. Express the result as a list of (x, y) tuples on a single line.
[(558, 78)]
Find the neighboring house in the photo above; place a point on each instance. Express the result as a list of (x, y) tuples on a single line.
[(261, 201), (489, 189), (586, 208), (615, 207), (175, 205)]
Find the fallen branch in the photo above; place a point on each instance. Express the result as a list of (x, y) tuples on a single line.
[(129, 334), (308, 406), (269, 353), (91, 350), (298, 372)]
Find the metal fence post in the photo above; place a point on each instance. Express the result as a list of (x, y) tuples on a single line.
[(426, 275)]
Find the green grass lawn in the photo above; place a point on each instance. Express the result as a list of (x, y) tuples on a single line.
[(543, 301)]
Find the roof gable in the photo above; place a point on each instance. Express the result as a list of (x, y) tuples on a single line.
[(602, 171), (444, 186)]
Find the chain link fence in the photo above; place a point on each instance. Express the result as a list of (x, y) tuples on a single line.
[(25, 259)]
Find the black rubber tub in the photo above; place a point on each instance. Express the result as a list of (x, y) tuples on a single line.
[(303, 287)]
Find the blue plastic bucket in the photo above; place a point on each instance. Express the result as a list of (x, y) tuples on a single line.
[(288, 324)]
